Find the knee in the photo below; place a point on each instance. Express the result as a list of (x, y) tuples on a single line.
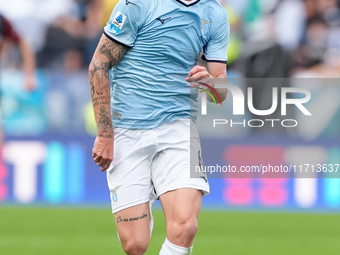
[(135, 247), (183, 231)]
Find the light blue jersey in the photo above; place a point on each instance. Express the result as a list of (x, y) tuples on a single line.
[(166, 37)]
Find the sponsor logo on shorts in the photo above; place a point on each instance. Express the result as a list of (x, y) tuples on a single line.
[(118, 22), (114, 194)]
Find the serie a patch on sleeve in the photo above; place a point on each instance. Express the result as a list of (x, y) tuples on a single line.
[(118, 22)]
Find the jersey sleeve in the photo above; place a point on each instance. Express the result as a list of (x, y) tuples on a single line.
[(126, 19), (8, 31), (216, 49)]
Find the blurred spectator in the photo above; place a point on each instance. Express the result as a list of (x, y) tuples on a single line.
[(312, 50), (306, 31), (319, 53), (8, 35), (264, 55), (290, 16), (31, 18), (74, 35)]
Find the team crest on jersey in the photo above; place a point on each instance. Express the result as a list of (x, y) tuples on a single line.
[(114, 194), (118, 22), (203, 24)]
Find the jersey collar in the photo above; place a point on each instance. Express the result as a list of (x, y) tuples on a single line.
[(188, 3)]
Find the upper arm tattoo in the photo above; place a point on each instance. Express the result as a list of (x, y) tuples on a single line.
[(107, 55)]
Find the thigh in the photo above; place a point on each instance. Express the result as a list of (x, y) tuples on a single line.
[(129, 177), (179, 152), (133, 224)]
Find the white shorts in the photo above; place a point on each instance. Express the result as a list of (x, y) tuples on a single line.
[(149, 162)]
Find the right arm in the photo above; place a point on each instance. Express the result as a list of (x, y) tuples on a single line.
[(107, 55)]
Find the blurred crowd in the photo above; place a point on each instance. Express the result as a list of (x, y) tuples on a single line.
[(269, 38), (285, 38), (62, 33)]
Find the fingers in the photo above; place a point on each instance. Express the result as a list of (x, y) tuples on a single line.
[(196, 74), (102, 161), (106, 165), (102, 152), (199, 76), (197, 69), (97, 159)]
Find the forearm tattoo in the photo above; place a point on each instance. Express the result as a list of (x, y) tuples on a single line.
[(107, 55)]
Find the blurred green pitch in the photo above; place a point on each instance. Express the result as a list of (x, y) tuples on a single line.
[(63, 231)]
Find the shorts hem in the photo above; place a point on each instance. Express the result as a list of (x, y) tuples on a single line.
[(204, 189), (130, 204)]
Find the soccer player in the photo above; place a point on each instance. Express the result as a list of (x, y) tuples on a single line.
[(140, 79)]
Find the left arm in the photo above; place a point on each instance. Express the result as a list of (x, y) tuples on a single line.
[(215, 60)]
